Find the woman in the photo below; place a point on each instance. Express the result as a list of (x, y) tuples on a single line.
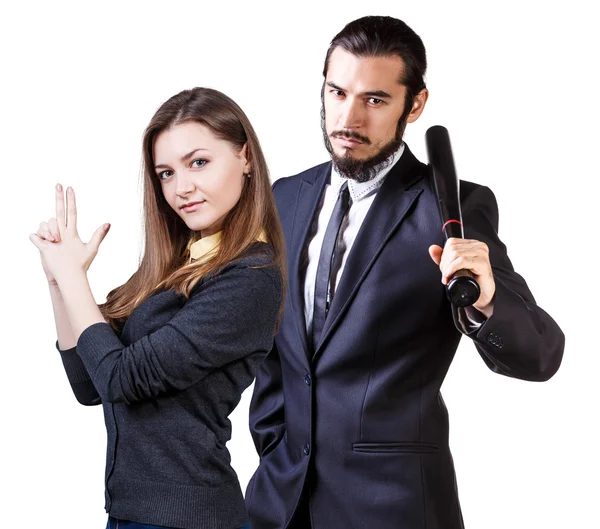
[(171, 351)]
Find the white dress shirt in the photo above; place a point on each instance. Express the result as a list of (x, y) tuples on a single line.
[(362, 195)]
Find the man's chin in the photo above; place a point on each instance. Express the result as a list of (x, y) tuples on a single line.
[(351, 153)]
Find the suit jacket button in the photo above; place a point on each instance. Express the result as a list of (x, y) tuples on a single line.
[(306, 449), (495, 340), (307, 379)]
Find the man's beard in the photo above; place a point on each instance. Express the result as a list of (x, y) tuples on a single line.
[(362, 170)]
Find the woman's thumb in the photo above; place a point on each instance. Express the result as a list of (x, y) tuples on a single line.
[(98, 236)]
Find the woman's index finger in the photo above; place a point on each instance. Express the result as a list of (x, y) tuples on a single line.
[(60, 206)]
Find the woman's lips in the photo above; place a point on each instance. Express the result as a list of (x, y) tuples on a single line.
[(192, 207)]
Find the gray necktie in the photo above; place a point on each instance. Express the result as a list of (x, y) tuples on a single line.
[(326, 259)]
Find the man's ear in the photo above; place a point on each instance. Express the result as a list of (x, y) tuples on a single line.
[(418, 105)]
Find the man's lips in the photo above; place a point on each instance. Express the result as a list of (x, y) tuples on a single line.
[(351, 141)]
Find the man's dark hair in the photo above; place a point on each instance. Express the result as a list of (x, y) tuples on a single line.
[(378, 36)]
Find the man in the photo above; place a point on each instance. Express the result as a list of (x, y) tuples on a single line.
[(347, 415)]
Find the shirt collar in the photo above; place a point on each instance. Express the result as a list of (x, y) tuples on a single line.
[(206, 247), (360, 190)]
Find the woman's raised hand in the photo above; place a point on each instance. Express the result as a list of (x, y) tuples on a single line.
[(62, 251)]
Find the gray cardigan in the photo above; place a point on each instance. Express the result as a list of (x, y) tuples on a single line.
[(168, 384)]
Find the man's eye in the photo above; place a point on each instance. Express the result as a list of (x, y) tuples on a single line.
[(375, 101)]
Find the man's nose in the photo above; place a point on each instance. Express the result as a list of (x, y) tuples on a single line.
[(352, 116)]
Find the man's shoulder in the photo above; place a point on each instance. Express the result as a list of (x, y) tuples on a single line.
[(311, 175), (472, 189)]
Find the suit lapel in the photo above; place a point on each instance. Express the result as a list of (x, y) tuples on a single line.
[(389, 208), (309, 196)]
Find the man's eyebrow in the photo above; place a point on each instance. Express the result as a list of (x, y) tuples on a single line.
[(378, 93), (370, 93), (334, 86)]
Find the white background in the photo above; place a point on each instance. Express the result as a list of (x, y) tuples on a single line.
[(514, 82)]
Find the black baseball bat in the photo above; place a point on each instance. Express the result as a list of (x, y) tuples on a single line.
[(462, 289)]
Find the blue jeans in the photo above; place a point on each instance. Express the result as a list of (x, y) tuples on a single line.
[(113, 523)]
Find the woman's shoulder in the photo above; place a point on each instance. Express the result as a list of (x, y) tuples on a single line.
[(258, 258), (257, 254)]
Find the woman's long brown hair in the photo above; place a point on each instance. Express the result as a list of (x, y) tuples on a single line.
[(165, 260)]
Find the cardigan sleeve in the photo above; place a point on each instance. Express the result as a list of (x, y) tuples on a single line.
[(80, 380), (231, 316)]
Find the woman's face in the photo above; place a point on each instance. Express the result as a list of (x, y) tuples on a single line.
[(197, 168)]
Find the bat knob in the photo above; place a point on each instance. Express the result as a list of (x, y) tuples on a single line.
[(462, 291)]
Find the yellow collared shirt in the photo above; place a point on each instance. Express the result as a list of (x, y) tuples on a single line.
[(206, 247)]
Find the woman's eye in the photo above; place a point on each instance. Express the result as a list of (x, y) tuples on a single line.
[(162, 175), (198, 163)]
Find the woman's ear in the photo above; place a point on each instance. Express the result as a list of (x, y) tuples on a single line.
[(245, 159)]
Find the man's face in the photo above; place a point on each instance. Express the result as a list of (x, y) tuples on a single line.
[(363, 103)]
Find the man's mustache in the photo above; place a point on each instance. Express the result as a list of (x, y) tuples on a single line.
[(351, 135)]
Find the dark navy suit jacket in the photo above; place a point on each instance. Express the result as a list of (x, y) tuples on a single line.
[(360, 419)]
